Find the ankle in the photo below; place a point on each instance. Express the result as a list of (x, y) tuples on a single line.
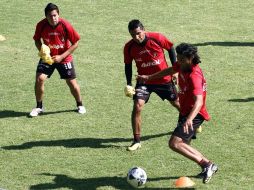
[(39, 104)]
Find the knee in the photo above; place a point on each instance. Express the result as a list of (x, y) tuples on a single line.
[(40, 79), (174, 145), (72, 84), (137, 108)]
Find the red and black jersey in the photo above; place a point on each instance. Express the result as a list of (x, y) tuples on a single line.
[(58, 38), (149, 55), (191, 84)]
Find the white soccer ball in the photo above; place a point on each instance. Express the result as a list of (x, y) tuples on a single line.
[(136, 177)]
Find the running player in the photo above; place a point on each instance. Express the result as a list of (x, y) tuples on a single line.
[(192, 98), (62, 40), (147, 49)]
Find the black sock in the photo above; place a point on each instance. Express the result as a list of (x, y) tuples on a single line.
[(79, 104), (204, 164), (137, 138), (39, 105)]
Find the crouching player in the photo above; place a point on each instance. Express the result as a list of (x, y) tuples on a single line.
[(192, 98)]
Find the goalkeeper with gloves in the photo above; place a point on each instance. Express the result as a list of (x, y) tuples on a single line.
[(147, 49), (56, 40)]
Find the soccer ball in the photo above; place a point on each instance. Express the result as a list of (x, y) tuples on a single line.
[(136, 177)]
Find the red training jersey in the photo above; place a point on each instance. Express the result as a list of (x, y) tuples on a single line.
[(149, 56), (58, 38), (191, 84)]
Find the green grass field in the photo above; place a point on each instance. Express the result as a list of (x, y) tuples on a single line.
[(64, 150)]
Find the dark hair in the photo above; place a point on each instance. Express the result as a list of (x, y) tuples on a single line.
[(133, 24), (50, 7), (188, 50)]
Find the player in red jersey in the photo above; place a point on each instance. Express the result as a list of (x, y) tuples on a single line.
[(192, 98), (147, 50), (62, 39)]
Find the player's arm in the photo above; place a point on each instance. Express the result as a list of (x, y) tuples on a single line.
[(160, 74), (194, 112), (128, 73), (38, 44), (59, 58), (129, 90), (172, 55)]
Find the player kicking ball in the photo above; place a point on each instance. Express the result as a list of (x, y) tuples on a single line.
[(147, 50), (56, 40), (192, 98)]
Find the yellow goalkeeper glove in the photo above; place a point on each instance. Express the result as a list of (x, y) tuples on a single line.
[(44, 54), (129, 91)]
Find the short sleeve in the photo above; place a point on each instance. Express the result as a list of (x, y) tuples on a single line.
[(197, 83), (165, 43), (37, 34), (73, 35)]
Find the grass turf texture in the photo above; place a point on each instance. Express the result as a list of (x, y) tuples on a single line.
[(64, 150)]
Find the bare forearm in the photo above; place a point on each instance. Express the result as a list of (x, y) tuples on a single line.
[(196, 108), (160, 74), (70, 50)]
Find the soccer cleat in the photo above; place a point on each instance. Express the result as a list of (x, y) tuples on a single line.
[(36, 111), (134, 146), (209, 171), (81, 109), (201, 174)]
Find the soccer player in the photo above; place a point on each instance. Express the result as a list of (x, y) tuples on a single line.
[(192, 98), (147, 49), (62, 39)]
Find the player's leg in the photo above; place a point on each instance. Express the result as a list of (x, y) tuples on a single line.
[(39, 87), (43, 72), (183, 148), (75, 91), (179, 142), (140, 98), (136, 123), (67, 72), (167, 91)]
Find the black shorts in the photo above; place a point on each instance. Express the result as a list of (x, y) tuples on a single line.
[(65, 70), (179, 132), (164, 91)]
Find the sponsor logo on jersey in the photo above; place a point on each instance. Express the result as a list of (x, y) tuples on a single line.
[(151, 63), (58, 46), (53, 33), (138, 60), (144, 51)]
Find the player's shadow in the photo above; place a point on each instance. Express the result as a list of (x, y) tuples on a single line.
[(81, 142), (230, 44), (12, 113), (251, 99), (64, 181)]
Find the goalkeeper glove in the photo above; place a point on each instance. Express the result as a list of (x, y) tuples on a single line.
[(44, 54), (129, 91)]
